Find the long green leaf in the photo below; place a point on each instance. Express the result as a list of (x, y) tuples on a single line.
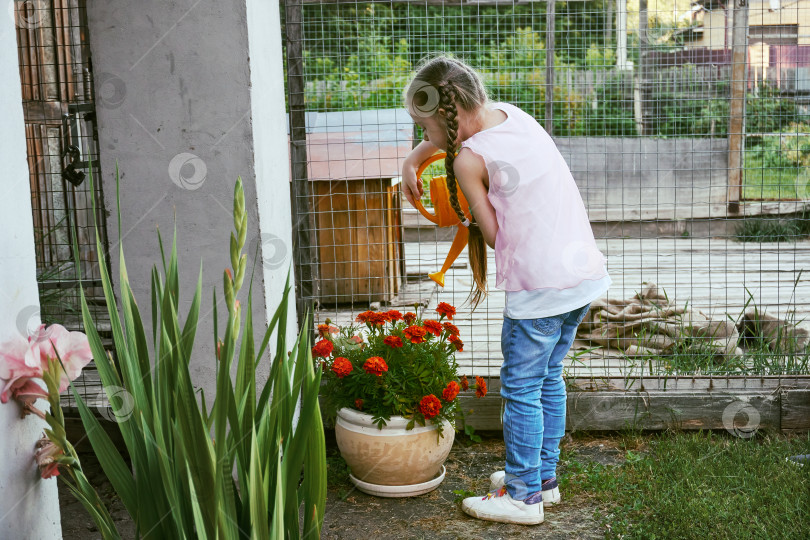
[(190, 327), (108, 456), (277, 525), (314, 484), (101, 517), (258, 501), (199, 522)]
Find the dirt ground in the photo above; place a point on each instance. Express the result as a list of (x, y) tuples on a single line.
[(351, 514)]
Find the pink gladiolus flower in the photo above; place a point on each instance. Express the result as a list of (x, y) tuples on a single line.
[(27, 394), (14, 368), (47, 453), (21, 361)]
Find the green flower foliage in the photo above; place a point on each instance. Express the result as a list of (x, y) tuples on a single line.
[(239, 468), (418, 366)]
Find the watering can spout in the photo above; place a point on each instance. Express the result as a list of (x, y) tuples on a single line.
[(438, 277), (444, 216)]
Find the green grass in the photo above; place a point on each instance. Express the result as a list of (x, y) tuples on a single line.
[(774, 230), (697, 485), (761, 181)]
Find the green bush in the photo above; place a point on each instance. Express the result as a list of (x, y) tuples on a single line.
[(612, 113)]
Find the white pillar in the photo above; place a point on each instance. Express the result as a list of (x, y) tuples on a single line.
[(29, 506), (271, 153), (621, 34)]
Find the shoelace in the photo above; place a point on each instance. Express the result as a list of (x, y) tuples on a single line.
[(492, 494)]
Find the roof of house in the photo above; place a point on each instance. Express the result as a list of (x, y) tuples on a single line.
[(355, 145)]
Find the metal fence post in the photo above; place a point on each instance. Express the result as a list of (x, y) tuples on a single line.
[(303, 220)]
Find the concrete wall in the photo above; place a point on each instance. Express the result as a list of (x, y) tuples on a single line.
[(641, 187), (177, 112), (648, 173), (29, 507)]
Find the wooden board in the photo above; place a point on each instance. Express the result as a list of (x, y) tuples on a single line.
[(796, 409), (738, 412), (358, 240)]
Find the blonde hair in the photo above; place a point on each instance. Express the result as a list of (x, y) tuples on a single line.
[(444, 82)]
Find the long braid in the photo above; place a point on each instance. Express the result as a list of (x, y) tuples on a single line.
[(476, 243), (447, 100)]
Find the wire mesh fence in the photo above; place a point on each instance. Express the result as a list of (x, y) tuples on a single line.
[(685, 125)]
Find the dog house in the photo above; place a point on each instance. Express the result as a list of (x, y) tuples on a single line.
[(354, 164)]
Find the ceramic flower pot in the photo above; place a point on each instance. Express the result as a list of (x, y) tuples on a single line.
[(392, 456)]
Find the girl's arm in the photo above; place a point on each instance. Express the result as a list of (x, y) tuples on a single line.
[(470, 173), (411, 187)]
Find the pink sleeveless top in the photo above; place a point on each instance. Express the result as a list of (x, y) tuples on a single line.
[(544, 236)]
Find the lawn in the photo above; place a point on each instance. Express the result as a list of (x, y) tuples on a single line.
[(773, 183), (697, 485), (617, 485)]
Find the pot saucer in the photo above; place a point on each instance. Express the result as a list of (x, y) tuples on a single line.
[(399, 491)]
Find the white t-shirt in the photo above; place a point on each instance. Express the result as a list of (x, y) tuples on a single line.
[(550, 301)]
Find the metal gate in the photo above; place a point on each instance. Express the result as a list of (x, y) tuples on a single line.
[(62, 146)]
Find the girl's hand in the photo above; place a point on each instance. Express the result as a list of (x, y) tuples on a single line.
[(411, 185)]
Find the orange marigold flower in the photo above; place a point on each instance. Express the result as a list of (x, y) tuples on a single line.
[(393, 341), (416, 334), (465, 384), (451, 328), (434, 327), (480, 387), (430, 406), (375, 366), (363, 317), (324, 329), (358, 404), (450, 393), (394, 315), (446, 310), (409, 317), (341, 367), (322, 348), (457, 343), (356, 339), (377, 319)]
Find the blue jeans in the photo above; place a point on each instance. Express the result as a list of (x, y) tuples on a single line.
[(533, 390)]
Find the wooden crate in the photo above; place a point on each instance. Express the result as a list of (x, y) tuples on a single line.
[(359, 239)]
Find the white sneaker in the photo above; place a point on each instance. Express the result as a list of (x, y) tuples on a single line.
[(500, 506), (551, 491)]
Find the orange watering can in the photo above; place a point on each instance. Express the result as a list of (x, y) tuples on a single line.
[(445, 216)]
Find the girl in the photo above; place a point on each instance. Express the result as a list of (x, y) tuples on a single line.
[(525, 205)]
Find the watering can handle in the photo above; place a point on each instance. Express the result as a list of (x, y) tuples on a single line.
[(419, 171)]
